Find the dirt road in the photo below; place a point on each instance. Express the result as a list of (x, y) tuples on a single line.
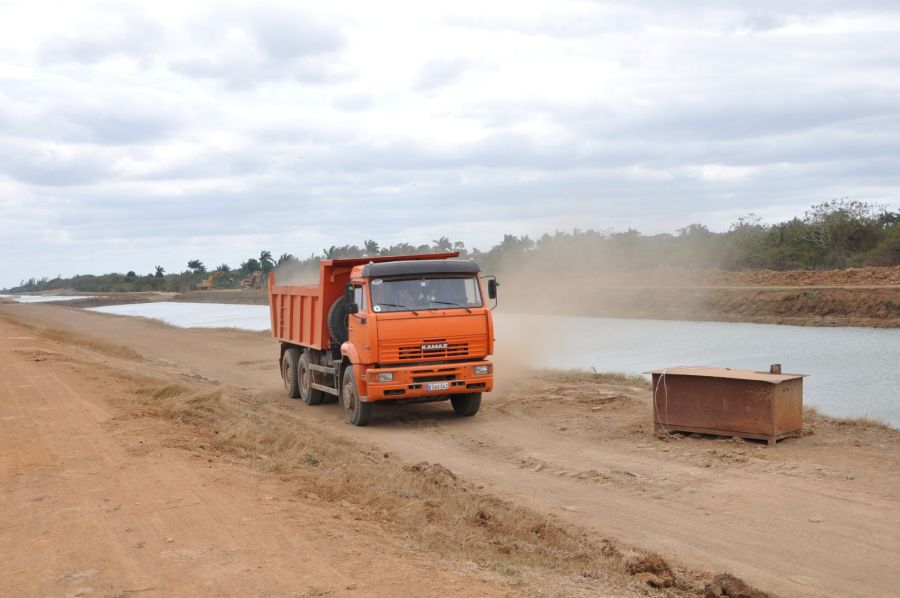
[(815, 516), (95, 504)]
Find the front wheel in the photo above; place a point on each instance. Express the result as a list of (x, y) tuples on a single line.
[(357, 412), (467, 404)]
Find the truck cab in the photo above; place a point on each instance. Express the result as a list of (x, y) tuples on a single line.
[(402, 329)]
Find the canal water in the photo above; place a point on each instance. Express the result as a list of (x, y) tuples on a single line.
[(196, 315), (853, 372)]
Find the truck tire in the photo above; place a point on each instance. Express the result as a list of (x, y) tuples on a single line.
[(310, 395), (289, 362), (337, 321), (357, 412), (467, 404)]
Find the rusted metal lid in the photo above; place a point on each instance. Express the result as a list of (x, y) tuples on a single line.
[(710, 372)]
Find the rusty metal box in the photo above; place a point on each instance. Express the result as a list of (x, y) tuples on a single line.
[(728, 402)]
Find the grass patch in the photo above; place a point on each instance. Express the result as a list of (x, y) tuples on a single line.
[(423, 502), (69, 337), (180, 403), (577, 375), (871, 423), (814, 416)]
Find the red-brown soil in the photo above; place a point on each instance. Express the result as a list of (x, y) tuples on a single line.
[(98, 502), (853, 277)]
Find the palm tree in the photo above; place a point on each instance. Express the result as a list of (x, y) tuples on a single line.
[(442, 244), (250, 266), (512, 244), (223, 268), (196, 266), (371, 248), (401, 249), (330, 252), (160, 271), (286, 257), (266, 263)]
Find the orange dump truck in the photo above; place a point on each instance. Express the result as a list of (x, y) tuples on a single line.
[(402, 329)]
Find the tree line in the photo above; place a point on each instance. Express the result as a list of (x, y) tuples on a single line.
[(835, 234)]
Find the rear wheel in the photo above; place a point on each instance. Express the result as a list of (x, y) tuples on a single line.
[(310, 395), (289, 368), (357, 412), (466, 404)]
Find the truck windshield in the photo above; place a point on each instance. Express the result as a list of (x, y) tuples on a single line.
[(425, 292)]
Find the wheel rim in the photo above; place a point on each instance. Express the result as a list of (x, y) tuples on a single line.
[(349, 397), (304, 379), (287, 375)]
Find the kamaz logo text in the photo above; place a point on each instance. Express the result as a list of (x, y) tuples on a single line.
[(434, 347)]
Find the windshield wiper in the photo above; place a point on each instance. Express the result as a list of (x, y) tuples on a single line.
[(414, 312), (456, 304)]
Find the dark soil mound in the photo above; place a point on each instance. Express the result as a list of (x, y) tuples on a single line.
[(727, 585)]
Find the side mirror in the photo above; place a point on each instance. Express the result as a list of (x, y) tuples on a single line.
[(352, 308), (492, 288)]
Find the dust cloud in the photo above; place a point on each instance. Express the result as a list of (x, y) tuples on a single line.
[(580, 289), (297, 273), (557, 283), (521, 348)]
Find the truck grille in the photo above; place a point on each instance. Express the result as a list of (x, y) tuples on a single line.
[(452, 350), (397, 351)]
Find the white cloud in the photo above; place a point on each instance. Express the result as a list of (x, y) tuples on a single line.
[(723, 172), (133, 134), (438, 73)]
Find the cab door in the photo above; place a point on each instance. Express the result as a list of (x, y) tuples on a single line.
[(358, 324)]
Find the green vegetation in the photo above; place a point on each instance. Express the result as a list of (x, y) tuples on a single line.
[(836, 234)]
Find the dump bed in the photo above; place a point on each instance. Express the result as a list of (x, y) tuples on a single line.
[(299, 314)]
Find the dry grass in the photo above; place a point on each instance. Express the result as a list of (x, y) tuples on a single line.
[(181, 403), (596, 377), (69, 337), (424, 502), (814, 416)]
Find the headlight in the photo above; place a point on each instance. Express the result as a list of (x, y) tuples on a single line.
[(385, 376), (482, 370)]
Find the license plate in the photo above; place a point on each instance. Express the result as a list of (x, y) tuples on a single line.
[(438, 386)]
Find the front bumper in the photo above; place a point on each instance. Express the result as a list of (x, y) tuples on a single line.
[(413, 382)]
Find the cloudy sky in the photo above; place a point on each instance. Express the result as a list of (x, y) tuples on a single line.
[(140, 134)]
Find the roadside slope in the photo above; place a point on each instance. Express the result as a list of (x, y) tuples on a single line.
[(99, 502)]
